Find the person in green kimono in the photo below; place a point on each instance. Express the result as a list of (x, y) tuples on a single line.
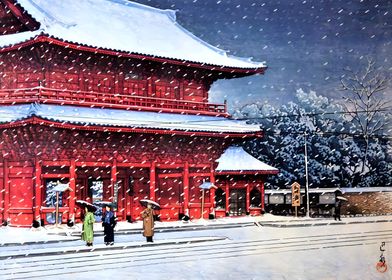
[(88, 227)]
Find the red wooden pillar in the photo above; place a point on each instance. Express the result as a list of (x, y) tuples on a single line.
[(247, 197), (128, 194), (262, 197), (227, 191), (2, 198), (38, 191), (72, 194), (6, 186), (186, 188), (212, 190), (152, 180), (113, 179)]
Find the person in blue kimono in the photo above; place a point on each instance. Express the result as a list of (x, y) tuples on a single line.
[(108, 223)]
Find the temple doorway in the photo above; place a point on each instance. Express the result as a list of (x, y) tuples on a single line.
[(237, 202)]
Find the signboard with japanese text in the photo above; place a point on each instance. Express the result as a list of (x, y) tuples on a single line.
[(295, 194)]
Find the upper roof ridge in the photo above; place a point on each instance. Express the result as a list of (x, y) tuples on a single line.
[(127, 27)]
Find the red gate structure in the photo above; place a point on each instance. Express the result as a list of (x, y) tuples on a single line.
[(112, 96)]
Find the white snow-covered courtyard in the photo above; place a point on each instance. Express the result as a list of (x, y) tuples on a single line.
[(334, 251)]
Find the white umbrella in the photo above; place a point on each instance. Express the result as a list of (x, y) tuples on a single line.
[(342, 198), (83, 203), (145, 202)]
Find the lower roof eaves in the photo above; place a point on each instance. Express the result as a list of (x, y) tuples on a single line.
[(117, 118)]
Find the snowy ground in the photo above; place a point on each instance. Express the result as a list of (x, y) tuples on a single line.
[(12, 235), (347, 251), (51, 233)]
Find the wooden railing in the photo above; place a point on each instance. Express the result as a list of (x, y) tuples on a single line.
[(108, 100)]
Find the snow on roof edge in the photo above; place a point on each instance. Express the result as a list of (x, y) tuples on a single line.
[(235, 158), (122, 118), (19, 38), (32, 35), (173, 17), (233, 61), (169, 12)]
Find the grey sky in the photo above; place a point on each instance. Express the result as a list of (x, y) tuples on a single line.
[(306, 44)]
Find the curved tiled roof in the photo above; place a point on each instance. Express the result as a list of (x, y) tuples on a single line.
[(123, 26), (122, 118), (236, 159)]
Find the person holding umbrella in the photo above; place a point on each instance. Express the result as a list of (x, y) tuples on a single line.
[(148, 218), (88, 226), (338, 204), (108, 223)]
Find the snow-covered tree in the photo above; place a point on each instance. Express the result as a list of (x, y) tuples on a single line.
[(334, 156), (365, 103)]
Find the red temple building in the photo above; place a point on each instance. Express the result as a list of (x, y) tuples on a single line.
[(111, 97)]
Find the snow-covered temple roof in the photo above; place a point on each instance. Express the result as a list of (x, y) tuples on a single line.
[(123, 118), (122, 26), (236, 159)]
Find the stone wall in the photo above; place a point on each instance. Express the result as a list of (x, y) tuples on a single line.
[(367, 203)]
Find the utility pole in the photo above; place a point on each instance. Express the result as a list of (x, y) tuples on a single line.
[(306, 178)]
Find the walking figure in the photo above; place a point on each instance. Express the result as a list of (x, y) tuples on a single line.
[(108, 223), (88, 227), (148, 222), (338, 204)]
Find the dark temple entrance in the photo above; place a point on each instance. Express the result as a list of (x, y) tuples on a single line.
[(237, 202)]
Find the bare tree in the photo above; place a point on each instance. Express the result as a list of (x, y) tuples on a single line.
[(365, 103)]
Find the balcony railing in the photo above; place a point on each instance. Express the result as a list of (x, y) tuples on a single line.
[(108, 100)]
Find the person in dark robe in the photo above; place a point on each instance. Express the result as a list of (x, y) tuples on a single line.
[(338, 204), (108, 223), (148, 223)]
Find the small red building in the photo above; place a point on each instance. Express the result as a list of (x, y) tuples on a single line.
[(111, 97)]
